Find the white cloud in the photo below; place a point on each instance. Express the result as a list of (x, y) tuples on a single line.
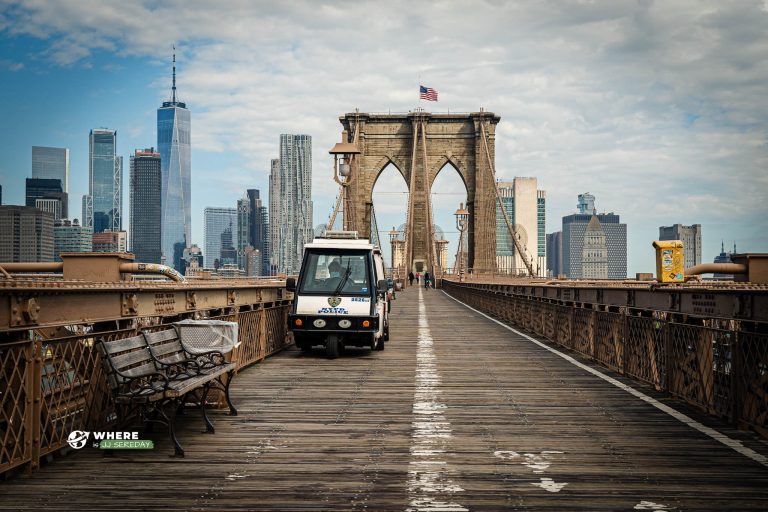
[(656, 107)]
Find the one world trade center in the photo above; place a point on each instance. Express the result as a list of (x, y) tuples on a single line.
[(173, 143)]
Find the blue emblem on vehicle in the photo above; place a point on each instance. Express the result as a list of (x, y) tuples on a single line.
[(334, 301)]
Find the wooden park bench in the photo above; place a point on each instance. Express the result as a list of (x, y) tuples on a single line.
[(154, 376)]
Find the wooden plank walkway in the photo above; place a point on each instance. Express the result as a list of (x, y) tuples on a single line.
[(458, 413)]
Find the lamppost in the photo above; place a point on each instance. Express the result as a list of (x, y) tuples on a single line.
[(392, 238), (462, 222), (343, 153)]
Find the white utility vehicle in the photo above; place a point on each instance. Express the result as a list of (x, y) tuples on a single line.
[(341, 295)]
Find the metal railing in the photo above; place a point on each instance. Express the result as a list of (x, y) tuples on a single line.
[(719, 365), (51, 377)]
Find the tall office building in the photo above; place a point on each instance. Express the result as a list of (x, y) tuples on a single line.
[(586, 204), (594, 253), (228, 256), (192, 260), (145, 214), (105, 178), (173, 142), (724, 257), (526, 209), (70, 236), (52, 206), (574, 228), (555, 253), (252, 262), (691, 238), (295, 200), (51, 163), (217, 221), (26, 234), (243, 229), (87, 212), (47, 188), (258, 228), (274, 216)]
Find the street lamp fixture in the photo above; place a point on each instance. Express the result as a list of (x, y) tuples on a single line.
[(462, 218), (343, 154), (392, 239), (462, 223)]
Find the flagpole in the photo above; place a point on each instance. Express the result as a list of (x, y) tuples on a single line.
[(419, 106)]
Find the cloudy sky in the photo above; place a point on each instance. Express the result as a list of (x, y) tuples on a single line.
[(657, 108)]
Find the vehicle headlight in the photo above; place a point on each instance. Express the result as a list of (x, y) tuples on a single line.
[(319, 323), (345, 324)]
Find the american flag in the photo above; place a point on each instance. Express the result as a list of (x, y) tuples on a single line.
[(427, 93)]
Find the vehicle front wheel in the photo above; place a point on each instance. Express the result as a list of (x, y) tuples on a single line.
[(332, 347)]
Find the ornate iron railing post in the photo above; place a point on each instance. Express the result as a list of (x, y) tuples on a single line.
[(736, 378), (36, 413), (669, 357)]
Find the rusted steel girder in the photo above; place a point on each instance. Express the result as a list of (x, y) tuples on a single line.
[(741, 301), (46, 302)]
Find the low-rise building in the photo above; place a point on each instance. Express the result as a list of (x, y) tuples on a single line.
[(70, 236), (110, 241)]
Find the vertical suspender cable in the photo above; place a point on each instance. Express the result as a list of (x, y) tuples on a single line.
[(515, 238)]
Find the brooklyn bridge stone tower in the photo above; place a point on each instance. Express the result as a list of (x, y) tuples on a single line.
[(420, 145)]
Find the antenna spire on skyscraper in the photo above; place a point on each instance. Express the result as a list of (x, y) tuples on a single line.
[(173, 89)]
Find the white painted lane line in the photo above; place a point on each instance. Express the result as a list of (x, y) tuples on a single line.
[(733, 444), (430, 486)]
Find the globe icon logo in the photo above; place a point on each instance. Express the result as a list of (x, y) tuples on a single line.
[(77, 439)]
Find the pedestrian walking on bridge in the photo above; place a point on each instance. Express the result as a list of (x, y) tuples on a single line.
[(426, 280), (410, 278)]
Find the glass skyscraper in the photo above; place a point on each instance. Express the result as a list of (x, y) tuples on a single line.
[(105, 173), (173, 143), (51, 163), (145, 206), (220, 236), (258, 229)]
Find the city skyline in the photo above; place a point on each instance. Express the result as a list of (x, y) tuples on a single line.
[(673, 141)]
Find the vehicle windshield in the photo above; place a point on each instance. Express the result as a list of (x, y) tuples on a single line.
[(335, 272)]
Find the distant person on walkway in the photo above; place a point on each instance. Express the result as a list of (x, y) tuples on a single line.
[(410, 278), (426, 280), (418, 278)]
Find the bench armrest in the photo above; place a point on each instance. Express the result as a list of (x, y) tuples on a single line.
[(208, 360)]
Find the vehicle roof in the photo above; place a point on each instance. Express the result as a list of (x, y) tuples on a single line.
[(337, 243)]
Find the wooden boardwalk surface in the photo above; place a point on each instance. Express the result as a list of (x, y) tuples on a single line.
[(458, 413)]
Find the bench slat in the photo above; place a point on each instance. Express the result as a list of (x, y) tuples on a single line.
[(161, 336), (122, 361), (168, 348), (140, 371), (117, 346)]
